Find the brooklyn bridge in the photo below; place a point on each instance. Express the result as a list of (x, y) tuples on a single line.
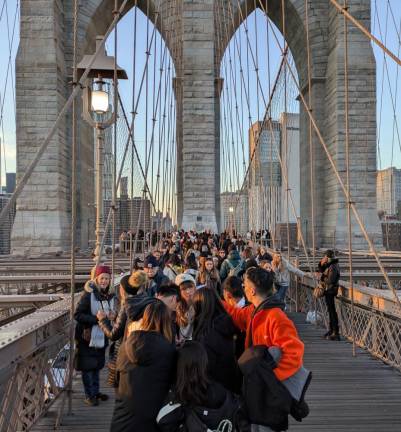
[(131, 129)]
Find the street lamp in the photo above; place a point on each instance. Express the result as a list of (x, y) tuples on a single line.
[(98, 111), (231, 210)]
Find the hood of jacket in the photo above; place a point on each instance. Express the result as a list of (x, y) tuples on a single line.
[(91, 287), (143, 347), (234, 256), (136, 305)]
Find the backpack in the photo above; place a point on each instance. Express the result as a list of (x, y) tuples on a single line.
[(228, 418), (235, 271)]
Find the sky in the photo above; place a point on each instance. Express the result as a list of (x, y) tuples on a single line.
[(386, 25)]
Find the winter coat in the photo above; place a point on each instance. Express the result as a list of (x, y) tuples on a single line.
[(271, 327), (282, 277), (234, 259), (265, 257), (145, 364), (267, 400), (330, 275), (86, 357), (132, 310), (219, 344)]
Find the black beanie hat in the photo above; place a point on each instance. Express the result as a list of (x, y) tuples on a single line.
[(127, 287)]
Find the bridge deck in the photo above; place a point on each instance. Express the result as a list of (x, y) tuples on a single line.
[(347, 394)]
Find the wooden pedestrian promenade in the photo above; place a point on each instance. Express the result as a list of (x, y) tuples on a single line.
[(347, 394)]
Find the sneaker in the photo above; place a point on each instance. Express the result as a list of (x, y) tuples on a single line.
[(91, 401), (102, 397), (334, 337), (327, 335)]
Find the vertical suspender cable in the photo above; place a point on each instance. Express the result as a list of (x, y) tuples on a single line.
[(116, 105), (133, 117), (285, 118), (347, 163), (73, 205), (311, 159)]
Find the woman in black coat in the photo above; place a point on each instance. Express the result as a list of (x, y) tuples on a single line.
[(214, 329), (145, 365), (89, 338)]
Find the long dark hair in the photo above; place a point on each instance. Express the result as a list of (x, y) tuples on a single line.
[(207, 306), (156, 318), (192, 381)]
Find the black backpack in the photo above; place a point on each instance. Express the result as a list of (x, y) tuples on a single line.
[(229, 417)]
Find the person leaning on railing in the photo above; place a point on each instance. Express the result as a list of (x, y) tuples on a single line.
[(329, 270)]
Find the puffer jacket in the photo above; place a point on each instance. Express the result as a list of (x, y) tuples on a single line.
[(234, 259), (86, 357)]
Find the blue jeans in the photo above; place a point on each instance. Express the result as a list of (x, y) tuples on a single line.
[(281, 291), (90, 380)]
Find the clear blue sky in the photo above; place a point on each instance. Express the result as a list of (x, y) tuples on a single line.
[(389, 145)]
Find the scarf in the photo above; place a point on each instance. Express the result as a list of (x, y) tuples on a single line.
[(97, 335)]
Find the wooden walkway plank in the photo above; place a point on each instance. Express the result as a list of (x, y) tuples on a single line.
[(347, 394)]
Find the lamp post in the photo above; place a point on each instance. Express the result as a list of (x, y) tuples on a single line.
[(98, 111), (231, 211)]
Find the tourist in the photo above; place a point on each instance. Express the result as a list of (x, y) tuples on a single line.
[(197, 402), (145, 365), (282, 269), (222, 257), (90, 340), (173, 267), (133, 296), (330, 276), (209, 276), (214, 328), (249, 260), (266, 325), (185, 310), (233, 265), (123, 240), (156, 278), (263, 255)]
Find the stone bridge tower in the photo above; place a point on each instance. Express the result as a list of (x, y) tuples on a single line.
[(189, 27)]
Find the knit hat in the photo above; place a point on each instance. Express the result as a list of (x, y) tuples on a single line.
[(150, 261), (100, 269), (138, 279), (184, 277), (131, 283)]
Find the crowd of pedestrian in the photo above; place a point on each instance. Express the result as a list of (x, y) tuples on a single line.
[(199, 337)]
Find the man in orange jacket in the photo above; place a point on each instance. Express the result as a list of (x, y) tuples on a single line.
[(266, 323)]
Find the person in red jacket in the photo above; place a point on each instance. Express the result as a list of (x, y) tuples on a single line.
[(270, 324)]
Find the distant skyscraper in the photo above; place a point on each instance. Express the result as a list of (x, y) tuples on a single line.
[(124, 187), (6, 226), (388, 191), (264, 175), (10, 182), (289, 123), (238, 218), (268, 143)]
